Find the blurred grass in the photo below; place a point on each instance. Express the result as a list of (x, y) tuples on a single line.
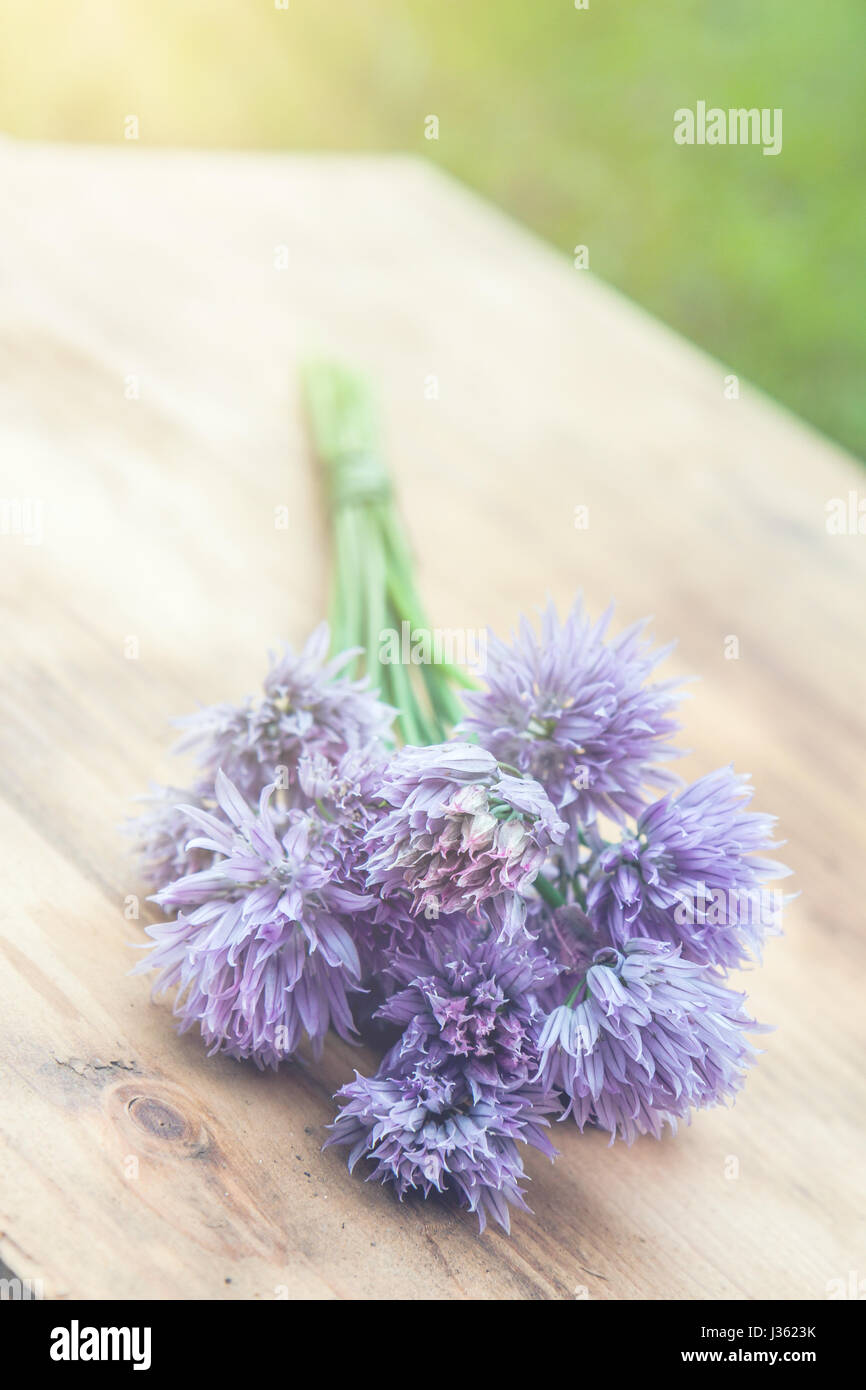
[(564, 117)]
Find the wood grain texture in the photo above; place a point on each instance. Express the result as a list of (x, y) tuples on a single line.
[(158, 519)]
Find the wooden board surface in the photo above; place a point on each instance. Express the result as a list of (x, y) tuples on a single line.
[(130, 1165)]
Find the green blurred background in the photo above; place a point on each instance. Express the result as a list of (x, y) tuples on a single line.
[(562, 116)]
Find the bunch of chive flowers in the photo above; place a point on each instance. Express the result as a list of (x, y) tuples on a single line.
[(497, 881)]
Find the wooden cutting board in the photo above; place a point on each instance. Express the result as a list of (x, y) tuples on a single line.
[(155, 308)]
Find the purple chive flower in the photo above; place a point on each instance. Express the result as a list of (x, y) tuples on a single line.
[(306, 708), (460, 831), (262, 948), (693, 875), (456, 1091), (576, 713), (422, 1130), (344, 794), (567, 935), (473, 998), (162, 833), (644, 1038)]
